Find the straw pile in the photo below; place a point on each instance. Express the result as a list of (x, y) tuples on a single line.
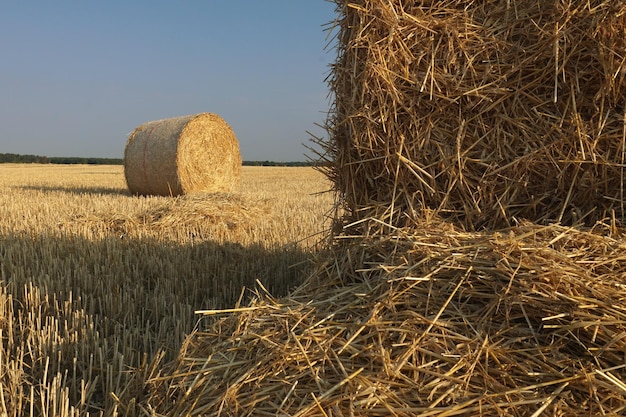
[(488, 112), (182, 155), (218, 215), (525, 322)]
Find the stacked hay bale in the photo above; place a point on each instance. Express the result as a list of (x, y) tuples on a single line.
[(182, 155), (452, 119), (486, 112)]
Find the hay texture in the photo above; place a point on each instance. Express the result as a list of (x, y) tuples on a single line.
[(488, 112), (530, 321), (182, 155)]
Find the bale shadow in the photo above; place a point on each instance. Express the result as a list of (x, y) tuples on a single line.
[(125, 302)]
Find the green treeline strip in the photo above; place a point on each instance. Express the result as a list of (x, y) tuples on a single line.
[(277, 164), (36, 159)]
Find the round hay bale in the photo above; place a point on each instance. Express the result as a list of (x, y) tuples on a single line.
[(182, 155)]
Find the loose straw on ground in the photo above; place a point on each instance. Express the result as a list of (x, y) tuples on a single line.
[(521, 322)]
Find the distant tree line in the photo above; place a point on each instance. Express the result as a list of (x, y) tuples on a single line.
[(88, 161), (36, 159), (276, 164), (16, 158)]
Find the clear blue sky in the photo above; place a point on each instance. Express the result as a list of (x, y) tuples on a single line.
[(76, 77)]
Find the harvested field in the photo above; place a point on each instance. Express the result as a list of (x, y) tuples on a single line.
[(476, 265), (97, 283)]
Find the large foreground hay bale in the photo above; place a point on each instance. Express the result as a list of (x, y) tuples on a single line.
[(486, 111), (182, 155)]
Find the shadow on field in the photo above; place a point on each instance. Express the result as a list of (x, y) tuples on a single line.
[(115, 276), (98, 309), (76, 190)]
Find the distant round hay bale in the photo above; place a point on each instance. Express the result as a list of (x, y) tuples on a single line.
[(182, 155)]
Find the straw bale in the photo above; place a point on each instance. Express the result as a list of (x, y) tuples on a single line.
[(489, 112), (182, 155), (524, 322)]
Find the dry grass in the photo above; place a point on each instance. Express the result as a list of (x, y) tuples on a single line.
[(97, 283)]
